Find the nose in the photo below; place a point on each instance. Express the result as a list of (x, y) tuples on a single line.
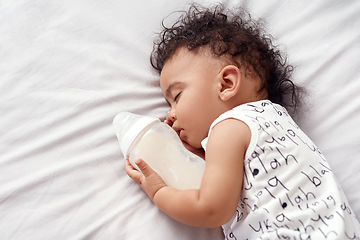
[(172, 115)]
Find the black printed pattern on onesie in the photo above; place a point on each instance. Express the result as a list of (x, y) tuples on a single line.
[(289, 190)]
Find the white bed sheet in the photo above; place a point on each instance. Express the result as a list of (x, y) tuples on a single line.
[(67, 67)]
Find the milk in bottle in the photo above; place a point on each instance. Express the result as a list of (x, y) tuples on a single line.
[(160, 147)]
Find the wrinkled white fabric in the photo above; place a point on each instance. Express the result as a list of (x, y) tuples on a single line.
[(68, 67)]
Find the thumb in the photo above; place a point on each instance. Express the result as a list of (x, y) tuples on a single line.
[(144, 167)]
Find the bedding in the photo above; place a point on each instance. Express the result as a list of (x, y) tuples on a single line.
[(68, 67)]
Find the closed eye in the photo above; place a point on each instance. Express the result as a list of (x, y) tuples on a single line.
[(176, 98)]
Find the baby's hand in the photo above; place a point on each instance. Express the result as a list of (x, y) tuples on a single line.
[(147, 178)]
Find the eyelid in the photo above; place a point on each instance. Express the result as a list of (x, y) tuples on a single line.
[(174, 91), (176, 97)]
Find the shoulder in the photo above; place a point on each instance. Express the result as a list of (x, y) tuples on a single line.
[(230, 133), (231, 125)]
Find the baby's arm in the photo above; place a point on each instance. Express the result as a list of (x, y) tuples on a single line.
[(216, 200)]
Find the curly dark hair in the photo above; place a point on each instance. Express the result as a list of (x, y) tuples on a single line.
[(236, 36)]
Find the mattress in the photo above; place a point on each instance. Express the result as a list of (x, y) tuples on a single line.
[(68, 67)]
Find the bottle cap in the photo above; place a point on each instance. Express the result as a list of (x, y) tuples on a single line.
[(128, 126)]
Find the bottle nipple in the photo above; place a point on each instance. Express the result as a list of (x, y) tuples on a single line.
[(128, 126)]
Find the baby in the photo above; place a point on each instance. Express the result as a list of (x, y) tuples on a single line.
[(230, 93)]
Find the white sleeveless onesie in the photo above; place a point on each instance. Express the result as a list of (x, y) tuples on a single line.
[(289, 190)]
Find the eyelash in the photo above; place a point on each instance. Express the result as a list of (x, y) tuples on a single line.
[(176, 97)]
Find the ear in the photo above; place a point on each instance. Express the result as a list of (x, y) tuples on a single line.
[(229, 82)]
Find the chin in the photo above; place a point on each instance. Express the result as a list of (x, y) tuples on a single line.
[(197, 151), (189, 147)]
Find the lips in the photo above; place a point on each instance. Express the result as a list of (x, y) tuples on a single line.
[(181, 135)]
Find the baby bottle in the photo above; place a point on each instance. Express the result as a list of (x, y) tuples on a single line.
[(160, 147)]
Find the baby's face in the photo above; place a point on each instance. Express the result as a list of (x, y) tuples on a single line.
[(189, 83)]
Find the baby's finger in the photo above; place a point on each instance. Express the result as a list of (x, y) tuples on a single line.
[(128, 165), (167, 122), (144, 167), (132, 172)]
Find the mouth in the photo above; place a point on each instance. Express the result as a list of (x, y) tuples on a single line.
[(183, 139), (181, 135)]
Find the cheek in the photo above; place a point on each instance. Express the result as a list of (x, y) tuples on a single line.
[(196, 120), (186, 113), (194, 113), (190, 109)]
